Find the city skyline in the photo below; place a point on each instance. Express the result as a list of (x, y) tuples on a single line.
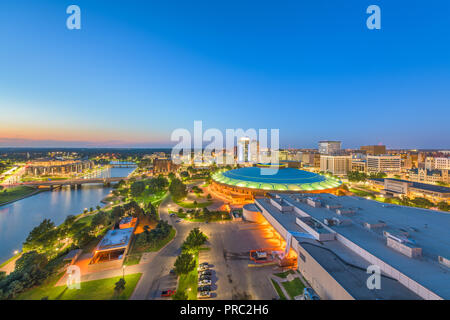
[(313, 71)]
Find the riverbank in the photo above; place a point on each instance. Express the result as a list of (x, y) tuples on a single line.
[(11, 195), (20, 217)]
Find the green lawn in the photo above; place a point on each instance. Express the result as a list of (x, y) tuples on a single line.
[(90, 290), (11, 194), (190, 281), (215, 216), (361, 193), (155, 198), (278, 290), (294, 287), (132, 259), (191, 205)]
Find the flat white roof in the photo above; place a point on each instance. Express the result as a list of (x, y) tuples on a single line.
[(345, 266), (115, 239), (427, 229)]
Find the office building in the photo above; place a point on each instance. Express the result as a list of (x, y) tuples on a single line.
[(329, 147), (439, 163), (384, 163), (335, 164)]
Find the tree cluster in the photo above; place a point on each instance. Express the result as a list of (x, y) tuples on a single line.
[(30, 270), (153, 236)]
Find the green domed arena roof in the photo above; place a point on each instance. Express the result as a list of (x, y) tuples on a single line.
[(286, 179)]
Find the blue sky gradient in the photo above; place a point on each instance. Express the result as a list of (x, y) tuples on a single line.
[(137, 70)]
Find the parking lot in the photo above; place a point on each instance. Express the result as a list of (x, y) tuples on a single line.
[(232, 278)]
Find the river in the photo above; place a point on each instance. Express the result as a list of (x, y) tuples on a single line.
[(19, 218)]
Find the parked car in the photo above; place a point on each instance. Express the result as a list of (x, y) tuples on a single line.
[(203, 267), (204, 277), (204, 282), (204, 288), (207, 272), (309, 294), (204, 295), (167, 293)]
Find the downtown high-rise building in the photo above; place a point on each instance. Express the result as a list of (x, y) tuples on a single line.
[(329, 147)]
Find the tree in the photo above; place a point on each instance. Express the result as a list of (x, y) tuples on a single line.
[(31, 259), (147, 233), (137, 188), (117, 213), (171, 176), (99, 220), (422, 202), (84, 236), (195, 239), (356, 176), (184, 264), (209, 197), (377, 175), (42, 238), (121, 183), (184, 174), (180, 295), (152, 211), (133, 209), (119, 286), (444, 206), (177, 189), (70, 220)]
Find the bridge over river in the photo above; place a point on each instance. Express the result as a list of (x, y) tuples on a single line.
[(68, 182)]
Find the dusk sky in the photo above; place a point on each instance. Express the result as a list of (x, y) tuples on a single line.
[(137, 70)]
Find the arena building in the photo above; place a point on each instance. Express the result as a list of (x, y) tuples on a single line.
[(244, 184)]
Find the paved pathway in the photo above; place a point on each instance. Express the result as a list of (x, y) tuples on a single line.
[(10, 266)]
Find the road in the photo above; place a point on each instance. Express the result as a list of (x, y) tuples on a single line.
[(159, 264)]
